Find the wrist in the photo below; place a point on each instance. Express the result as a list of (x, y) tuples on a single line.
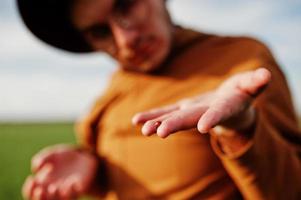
[(230, 141), (233, 138), (241, 122), (99, 184)]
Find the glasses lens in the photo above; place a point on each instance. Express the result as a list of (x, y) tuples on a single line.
[(100, 31), (124, 6)]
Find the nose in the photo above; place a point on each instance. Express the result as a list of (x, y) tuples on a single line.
[(126, 39)]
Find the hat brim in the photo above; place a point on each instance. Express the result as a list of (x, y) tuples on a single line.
[(49, 21)]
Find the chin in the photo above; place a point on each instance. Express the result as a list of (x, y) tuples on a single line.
[(156, 62), (145, 66)]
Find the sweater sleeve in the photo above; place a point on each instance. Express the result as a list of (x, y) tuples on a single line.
[(87, 128), (269, 165), (87, 131)]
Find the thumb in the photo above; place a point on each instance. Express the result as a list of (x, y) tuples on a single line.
[(254, 82), (48, 154), (40, 160)]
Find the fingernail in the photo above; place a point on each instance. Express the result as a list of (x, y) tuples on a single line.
[(135, 120), (162, 133), (202, 129), (144, 131)]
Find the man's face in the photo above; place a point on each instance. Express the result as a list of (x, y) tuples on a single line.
[(135, 32)]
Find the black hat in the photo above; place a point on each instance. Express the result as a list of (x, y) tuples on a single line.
[(49, 20)]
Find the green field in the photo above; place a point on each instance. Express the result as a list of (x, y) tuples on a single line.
[(19, 142)]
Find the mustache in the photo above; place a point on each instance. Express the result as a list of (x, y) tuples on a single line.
[(139, 45)]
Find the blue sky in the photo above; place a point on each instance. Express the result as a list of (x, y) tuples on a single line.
[(42, 83)]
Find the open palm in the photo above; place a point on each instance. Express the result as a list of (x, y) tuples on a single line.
[(224, 106), (60, 172)]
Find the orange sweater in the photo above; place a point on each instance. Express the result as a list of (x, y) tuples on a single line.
[(188, 165)]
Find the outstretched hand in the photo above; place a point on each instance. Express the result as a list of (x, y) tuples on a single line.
[(229, 105)]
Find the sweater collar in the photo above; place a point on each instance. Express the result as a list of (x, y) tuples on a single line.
[(183, 37)]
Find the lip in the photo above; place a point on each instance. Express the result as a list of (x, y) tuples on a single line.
[(150, 48), (144, 52), (141, 55)]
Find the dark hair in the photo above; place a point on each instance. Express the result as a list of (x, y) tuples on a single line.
[(49, 20)]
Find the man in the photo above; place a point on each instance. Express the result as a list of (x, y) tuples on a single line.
[(176, 83)]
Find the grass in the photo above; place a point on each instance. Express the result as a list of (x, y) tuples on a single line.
[(19, 142)]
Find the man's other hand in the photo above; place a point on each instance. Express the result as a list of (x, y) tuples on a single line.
[(60, 172)]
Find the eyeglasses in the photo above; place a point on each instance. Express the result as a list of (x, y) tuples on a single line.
[(126, 13)]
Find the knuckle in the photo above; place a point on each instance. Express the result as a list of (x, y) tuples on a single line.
[(165, 125)]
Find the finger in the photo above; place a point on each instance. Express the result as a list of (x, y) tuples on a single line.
[(253, 82), (43, 174), (154, 113), (65, 192), (150, 127), (52, 191), (212, 117), (77, 185), (34, 186), (40, 159), (228, 104), (181, 120), (66, 189), (38, 193), (48, 154), (28, 187), (70, 188)]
